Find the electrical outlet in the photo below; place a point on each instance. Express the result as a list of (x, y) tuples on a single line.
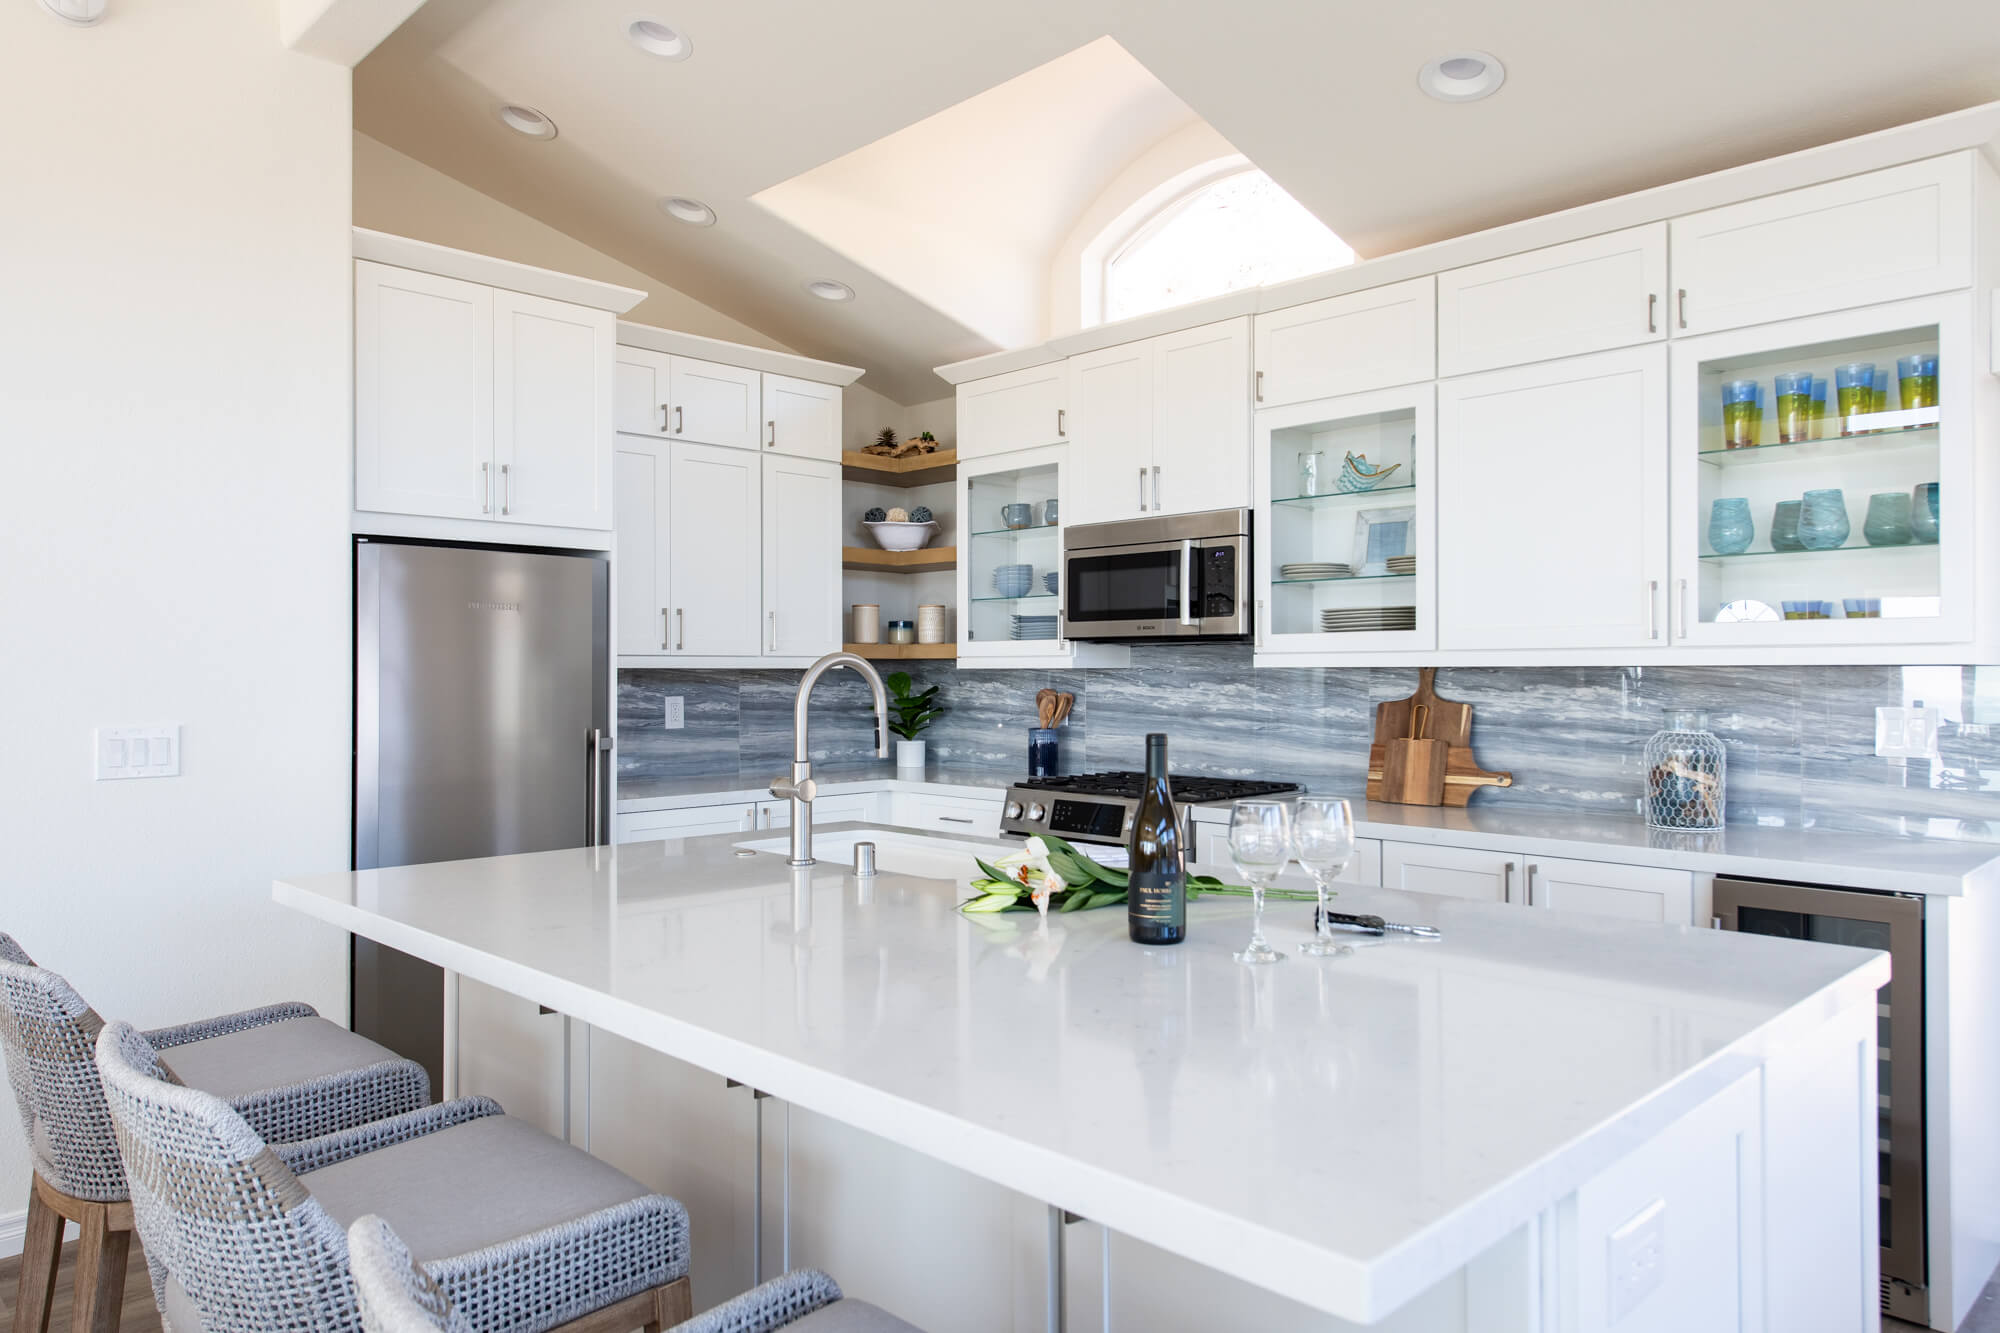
[(136, 752), (1637, 1256), (1906, 733), (673, 714)]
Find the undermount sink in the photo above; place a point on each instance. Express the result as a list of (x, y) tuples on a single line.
[(897, 852)]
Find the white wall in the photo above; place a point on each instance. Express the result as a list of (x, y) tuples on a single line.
[(174, 387)]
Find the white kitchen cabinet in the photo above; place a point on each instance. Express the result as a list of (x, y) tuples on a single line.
[(685, 398), (1882, 236), (552, 432), (1455, 872), (1552, 504), (1566, 300), (976, 817), (645, 618), (1636, 893), (714, 550), (423, 393), (1347, 344), (688, 822), (1021, 410), (801, 558), (1162, 426), (1111, 418), (802, 418), (857, 806)]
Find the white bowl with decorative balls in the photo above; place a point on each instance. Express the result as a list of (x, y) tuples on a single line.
[(900, 530)]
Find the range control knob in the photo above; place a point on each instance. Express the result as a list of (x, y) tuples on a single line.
[(1036, 811), (1013, 810)]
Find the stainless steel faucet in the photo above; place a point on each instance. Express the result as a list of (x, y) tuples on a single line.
[(799, 788)]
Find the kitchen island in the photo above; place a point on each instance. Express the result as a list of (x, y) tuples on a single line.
[(1537, 1122)]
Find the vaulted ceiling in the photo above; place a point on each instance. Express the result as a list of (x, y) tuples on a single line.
[(1600, 100)]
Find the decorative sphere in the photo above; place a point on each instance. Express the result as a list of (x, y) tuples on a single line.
[(922, 514), (899, 515), (876, 515)]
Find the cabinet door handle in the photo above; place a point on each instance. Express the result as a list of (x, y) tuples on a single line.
[(485, 488), (1142, 490), (774, 632), (1260, 624), (663, 416), (1156, 490), (1652, 312), (1653, 609), (1507, 883), (1260, 386), (680, 629), (772, 441), (506, 488), (680, 420), (1531, 884), (1681, 297), (666, 630), (1683, 633), (1062, 422), (952, 819)]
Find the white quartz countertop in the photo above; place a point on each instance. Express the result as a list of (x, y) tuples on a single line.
[(1345, 1132), (1804, 855)]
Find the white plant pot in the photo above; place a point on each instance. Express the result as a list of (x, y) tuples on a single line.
[(909, 754)]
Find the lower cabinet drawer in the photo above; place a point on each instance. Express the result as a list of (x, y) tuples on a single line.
[(948, 814), (688, 822), (1637, 893), (826, 810)]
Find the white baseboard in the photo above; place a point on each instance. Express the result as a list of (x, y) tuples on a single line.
[(14, 1231)]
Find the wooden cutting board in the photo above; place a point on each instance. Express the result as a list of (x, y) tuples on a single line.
[(1462, 776), (1450, 722)]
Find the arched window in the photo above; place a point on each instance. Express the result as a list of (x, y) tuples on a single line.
[(1239, 230)]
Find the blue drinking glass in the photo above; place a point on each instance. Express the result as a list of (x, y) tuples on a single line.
[(1785, 526), (1888, 519), (1730, 527), (1823, 521), (1924, 512)]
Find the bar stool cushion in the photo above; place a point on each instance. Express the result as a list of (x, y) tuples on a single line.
[(276, 1055), (469, 1186), (850, 1316)]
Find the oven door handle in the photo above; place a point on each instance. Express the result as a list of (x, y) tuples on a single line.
[(1187, 581)]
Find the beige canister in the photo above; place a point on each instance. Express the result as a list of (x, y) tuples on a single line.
[(930, 623), (867, 622)]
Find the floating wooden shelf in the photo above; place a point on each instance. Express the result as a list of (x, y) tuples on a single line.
[(899, 562), (916, 470), (903, 651)]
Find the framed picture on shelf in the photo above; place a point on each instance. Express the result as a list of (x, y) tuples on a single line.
[(1380, 534)]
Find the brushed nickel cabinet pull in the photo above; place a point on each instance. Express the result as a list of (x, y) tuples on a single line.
[(1142, 490), (1684, 609), (666, 631), (680, 629), (485, 488), (1652, 312), (680, 420), (1062, 422), (1156, 490), (506, 488), (1531, 884), (1507, 883), (663, 416), (1682, 297), (1260, 386), (1653, 609), (774, 632), (772, 442)]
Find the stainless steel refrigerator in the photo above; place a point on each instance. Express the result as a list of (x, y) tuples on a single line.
[(481, 718)]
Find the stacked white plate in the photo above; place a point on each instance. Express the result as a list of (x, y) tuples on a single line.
[(1034, 627), (1402, 564), (1316, 569), (1360, 619)]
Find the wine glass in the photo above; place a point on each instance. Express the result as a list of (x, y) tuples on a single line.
[(1260, 842), (1323, 838)]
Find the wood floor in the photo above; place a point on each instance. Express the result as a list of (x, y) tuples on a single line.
[(140, 1316)]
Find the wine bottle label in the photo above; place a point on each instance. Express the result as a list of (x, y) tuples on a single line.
[(1155, 899)]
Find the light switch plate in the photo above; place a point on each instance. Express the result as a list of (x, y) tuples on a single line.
[(136, 752), (1906, 733), (673, 713), (1637, 1256)]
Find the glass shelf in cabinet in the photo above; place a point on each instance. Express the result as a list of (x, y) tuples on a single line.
[(1850, 548), (1319, 501), (1025, 597), (1832, 446), (1029, 531), (1340, 578)]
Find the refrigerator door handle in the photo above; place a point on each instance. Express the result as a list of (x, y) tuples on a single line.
[(599, 744)]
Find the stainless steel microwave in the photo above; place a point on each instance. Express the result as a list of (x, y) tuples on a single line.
[(1180, 576)]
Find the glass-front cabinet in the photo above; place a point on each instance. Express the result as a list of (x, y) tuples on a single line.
[(1344, 546), (1010, 563), (1822, 481)]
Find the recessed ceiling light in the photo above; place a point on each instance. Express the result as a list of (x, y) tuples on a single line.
[(660, 40), (1462, 76), (526, 120), (826, 289), (691, 211)]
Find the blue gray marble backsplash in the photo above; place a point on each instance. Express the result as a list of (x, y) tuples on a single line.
[(1801, 739)]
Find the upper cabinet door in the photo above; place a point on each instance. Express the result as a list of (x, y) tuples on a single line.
[(645, 618), (802, 418), (1906, 231), (1552, 504), (552, 411), (423, 394), (641, 403), (1018, 411), (1201, 423), (802, 522), (1586, 296), (1348, 344), (715, 404), (713, 550), (1111, 435)]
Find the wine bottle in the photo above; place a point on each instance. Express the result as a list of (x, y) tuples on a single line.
[(1156, 899)]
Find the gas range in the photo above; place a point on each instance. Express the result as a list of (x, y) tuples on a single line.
[(1098, 807)]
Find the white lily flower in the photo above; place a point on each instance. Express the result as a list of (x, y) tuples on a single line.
[(1031, 868)]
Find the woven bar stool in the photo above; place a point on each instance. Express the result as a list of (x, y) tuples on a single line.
[(288, 1072), (518, 1229), (397, 1296)]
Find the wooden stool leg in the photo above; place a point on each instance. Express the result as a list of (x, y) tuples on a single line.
[(674, 1304), (100, 1273), (41, 1252)]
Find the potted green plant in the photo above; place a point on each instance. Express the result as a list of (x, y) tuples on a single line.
[(910, 713)]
